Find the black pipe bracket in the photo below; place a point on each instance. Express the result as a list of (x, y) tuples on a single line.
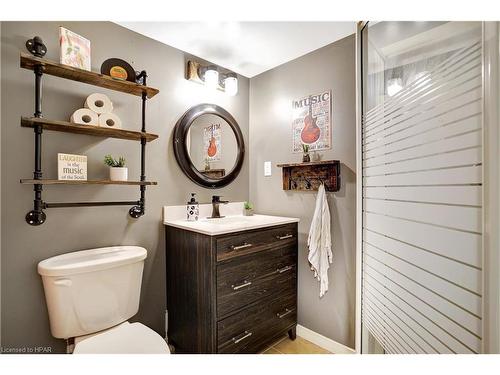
[(36, 47)]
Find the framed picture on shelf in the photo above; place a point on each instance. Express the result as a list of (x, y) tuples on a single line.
[(75, 49), (71, 167)]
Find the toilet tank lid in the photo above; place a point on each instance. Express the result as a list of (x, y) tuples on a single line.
[(91, 260)]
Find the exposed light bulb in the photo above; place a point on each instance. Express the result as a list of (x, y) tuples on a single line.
[(231, 84), (394, 86), (211, 77)]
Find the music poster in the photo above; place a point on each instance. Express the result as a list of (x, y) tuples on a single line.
[(212, 142), (312, 122)]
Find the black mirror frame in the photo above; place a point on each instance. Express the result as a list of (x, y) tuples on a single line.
[(182, 155)]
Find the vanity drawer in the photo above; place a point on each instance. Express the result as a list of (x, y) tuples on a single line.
[(246, 279), (248, 330), (235, 245)]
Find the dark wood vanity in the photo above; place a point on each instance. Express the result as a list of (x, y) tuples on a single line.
[(231, 288), (231, 293)]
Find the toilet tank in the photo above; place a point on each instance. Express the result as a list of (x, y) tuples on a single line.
[(91, 290)]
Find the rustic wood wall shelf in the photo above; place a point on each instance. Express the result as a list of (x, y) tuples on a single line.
[(41, 66), (92, 78), (308, 176), (214, 173), (84, 182), (99, 131)]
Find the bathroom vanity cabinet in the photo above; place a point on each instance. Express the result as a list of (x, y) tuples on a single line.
[(231, 293)]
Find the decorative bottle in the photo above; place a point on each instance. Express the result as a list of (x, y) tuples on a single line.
[(193, 208)]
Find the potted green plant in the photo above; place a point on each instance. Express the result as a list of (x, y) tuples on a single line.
[(305, 157), (207, 164), (248, 209), (117, 169)]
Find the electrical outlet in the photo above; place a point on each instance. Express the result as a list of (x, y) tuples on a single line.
[(267, 168)]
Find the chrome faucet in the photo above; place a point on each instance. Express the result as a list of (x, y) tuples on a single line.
[(215, 207)]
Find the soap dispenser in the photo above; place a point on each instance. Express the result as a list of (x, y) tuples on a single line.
[(193, 208)]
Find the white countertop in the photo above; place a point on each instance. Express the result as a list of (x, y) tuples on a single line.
[(175, 216)]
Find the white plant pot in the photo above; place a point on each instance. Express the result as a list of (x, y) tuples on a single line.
[(118, 173)]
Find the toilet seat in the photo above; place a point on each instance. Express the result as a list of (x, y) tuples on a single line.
[(126, 338)]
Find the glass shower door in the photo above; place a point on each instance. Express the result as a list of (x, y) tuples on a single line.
[(422, 261)]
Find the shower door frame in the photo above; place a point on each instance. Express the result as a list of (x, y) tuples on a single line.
[(359, 185), (491, 186)]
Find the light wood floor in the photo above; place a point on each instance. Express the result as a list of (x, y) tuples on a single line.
[(297, 346)]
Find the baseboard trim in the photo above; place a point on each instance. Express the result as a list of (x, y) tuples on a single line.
[(322, 341)]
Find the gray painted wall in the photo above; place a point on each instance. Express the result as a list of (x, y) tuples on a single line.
[(271, 95), (25, 321)]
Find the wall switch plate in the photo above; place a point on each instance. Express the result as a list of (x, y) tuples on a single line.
[(267, 168)]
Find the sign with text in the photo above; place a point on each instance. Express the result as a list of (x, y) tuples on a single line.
[(71, 167), (312, 122)]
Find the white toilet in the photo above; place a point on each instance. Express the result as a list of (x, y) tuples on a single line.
[(90, 295)]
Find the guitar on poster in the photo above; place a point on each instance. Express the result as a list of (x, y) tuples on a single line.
[(212, 147)]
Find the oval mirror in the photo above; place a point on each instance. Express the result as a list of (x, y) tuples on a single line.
[(209, 146)]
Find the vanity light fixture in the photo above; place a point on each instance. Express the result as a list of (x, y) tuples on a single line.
[(212, 77), (394, 85), (422, 78), (230, 83)]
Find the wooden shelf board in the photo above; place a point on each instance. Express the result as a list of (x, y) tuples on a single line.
[(87, 182), (312, 163), (309, 176), (212, 170), (92, 78), (68, 127)]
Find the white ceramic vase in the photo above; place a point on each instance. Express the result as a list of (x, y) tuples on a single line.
[(118, 173)]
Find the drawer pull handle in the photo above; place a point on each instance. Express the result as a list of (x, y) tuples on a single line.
[(284, 314), (245, 283), (244, 246), (284, 237), (246, 335), (284, 269)]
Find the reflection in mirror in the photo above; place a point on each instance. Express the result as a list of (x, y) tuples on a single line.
[(209, 146), (212, 146)]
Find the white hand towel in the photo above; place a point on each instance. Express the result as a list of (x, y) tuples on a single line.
[(319, 241)]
